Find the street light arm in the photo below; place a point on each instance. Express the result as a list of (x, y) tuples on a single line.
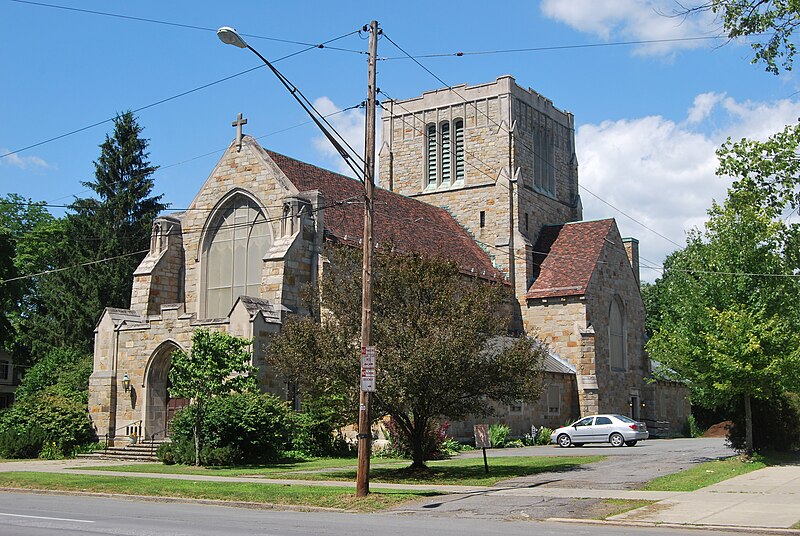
[(346, 156), (229, 36)]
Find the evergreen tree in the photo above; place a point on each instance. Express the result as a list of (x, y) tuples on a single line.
[(119, 220), (113, 225)]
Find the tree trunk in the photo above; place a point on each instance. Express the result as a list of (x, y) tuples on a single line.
[(196, 430), (748, 425), (417, 438)]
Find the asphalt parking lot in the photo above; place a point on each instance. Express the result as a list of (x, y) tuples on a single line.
[(625, 468)]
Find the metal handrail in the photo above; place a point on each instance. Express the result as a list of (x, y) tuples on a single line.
[(113, 433)]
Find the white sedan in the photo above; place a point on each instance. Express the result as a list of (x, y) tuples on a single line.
[(615, 429)]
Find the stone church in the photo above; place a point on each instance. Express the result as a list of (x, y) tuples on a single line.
[(485, 175)]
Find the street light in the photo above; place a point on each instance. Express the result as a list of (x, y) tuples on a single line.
[(229, 36)]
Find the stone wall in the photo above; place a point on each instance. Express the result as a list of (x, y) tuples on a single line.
[(487, 110), (667, 408), (249, 170), (550, 411), (614, 279)]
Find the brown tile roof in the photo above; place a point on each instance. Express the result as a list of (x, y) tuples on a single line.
[(408, 224), (565, 257)]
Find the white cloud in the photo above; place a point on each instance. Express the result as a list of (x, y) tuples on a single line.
[(638, 20), (350, 124), (662, 173), (24, 163)]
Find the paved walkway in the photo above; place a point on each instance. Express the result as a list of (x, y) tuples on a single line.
[(768, 498)]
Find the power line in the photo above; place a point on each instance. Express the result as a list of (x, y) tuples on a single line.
[(553, 47), (108, 259), (180, 25), (171, 98), (161, 168)]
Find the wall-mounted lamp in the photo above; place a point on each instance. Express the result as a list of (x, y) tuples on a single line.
[(126, 382)]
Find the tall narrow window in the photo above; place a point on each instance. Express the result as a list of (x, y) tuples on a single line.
[(239, 238), (553, 399), (431, 154), (458, 131), (445, 150), (616, 336), (483, 218)]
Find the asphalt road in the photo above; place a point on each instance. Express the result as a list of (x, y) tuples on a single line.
[(26, 514)]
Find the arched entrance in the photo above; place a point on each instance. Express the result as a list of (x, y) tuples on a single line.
[(159, 407)]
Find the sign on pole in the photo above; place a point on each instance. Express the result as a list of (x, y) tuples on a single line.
[(483, 441), (368, 369)]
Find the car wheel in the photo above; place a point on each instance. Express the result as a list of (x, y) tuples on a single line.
[(564, 441), (616, 440), (631, 443)]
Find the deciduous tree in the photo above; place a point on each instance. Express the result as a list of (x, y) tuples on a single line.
[(216, 364), (439, 336), (728, 315)]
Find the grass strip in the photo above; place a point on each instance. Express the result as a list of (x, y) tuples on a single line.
[(614, 507), (310, 496), (277, 469), (704, 475), (460, 471)]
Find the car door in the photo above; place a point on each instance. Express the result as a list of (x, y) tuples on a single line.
[(603, 426), (582, 430)]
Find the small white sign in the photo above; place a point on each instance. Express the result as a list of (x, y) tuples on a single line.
[(368, 369)]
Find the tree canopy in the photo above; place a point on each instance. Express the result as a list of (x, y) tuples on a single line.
[(100, 243), (727, 317), (441, 350), (216, 364), (771, 22)]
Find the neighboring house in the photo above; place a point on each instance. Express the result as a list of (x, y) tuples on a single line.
[(9, 380), (257, 232)]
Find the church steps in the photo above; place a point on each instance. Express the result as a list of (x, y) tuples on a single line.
[(144, 451)]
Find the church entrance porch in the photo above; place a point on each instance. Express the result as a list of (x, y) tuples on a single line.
[(159, 407)]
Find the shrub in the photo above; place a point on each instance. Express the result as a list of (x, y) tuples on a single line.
[(49, 416), (498, 435), (543, 436), (22, 443), (693, 429), (314, 428), (236, 428), (165, 453)]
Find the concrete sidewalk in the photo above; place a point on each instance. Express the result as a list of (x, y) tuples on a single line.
[(766, 498)]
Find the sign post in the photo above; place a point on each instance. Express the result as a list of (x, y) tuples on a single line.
[(482, 441)]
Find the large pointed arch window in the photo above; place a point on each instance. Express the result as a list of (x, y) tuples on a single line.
[(237, 241), (616, 336)]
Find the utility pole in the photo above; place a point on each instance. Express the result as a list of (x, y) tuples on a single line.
[(364, 399), (512, 269)]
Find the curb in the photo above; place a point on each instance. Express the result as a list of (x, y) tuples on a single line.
[(187, 500), (644, 524)]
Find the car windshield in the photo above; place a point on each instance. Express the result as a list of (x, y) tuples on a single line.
[(623, 418)]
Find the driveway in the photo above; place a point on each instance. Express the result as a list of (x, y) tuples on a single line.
[(540, 496)]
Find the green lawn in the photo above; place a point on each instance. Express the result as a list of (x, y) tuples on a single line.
[(710, 473), (311, 496), (613, 507), (462, 471)]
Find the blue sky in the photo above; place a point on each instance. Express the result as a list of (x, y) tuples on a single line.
[(648, 116)]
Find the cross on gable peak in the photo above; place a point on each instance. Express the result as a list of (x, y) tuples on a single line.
[(238, 124)]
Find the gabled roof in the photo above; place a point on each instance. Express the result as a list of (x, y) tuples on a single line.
[(407, 224), (565, 257), (255, 306)]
